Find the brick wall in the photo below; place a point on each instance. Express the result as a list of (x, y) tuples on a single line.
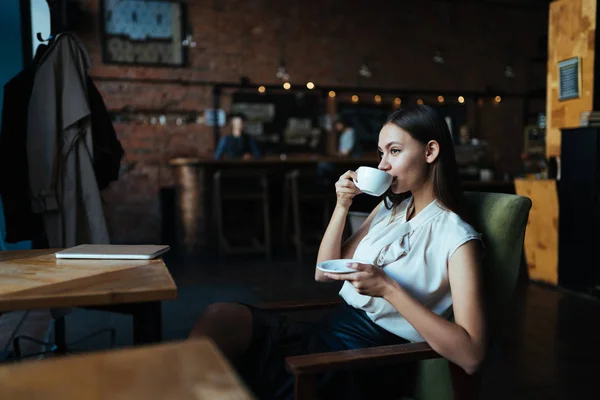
[(324, 41)]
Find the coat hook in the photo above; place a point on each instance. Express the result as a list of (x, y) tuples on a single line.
[(41, 39)]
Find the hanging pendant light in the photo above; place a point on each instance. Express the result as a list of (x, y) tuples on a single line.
[(364, 69), (438, 58), (282, 73)]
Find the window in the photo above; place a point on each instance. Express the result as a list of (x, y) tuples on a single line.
[(148, 32), (40, 22)]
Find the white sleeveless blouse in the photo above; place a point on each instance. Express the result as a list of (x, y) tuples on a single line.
[(416, 255)]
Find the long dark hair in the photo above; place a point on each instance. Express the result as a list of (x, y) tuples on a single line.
[(423, 123)]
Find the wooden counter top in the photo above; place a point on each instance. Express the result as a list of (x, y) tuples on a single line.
[(308, 160), (270, 160)]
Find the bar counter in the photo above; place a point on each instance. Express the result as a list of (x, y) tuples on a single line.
[(276, 160), (194, 187)]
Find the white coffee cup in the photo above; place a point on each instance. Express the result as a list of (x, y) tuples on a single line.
[(372, 181)]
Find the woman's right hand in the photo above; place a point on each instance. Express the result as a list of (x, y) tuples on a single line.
[(345, 189)]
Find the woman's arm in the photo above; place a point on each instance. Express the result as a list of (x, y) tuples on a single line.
[(464, 341), (331, 247)]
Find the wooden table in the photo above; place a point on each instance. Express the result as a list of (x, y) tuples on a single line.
[(31, 279), (185, 370)]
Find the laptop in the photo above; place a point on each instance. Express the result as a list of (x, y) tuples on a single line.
[(113, 252)]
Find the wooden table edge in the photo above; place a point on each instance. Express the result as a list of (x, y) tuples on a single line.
[(10, 371), (99, 299), (13, 302)]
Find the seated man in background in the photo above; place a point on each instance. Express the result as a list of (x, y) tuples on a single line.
[(238, 144)]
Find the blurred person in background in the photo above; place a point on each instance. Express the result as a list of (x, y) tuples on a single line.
[(238, 144), (347, 139)]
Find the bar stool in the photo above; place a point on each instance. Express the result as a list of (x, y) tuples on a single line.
[(301, 187), (242, 186)]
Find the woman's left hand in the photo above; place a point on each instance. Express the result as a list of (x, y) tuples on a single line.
[(368, 279)]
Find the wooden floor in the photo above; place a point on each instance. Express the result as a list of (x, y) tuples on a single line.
[(549, 349)]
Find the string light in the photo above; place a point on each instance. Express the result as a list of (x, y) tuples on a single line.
[(497, 99), (377, 98), (420, 101), (441, 99), (461, 99), (261, 89), (397, 101), (310, 85), (354, 98), (287, 86), (331, 94)]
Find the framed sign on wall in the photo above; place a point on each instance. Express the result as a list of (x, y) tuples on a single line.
[(569, 79), (143, 32)]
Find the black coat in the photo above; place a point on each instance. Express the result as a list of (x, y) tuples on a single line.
[(21, 222)]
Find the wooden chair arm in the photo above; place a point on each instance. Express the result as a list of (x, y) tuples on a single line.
[(368, 357), (304, 368), (289, 306)]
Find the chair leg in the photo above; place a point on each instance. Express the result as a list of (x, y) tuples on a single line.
[(59, 346), (17, 346), (60, 335), (217, 207), (111, 332), (296, 215), (268, 245), (305, 387), (267, 219), (285, 207), (53, 348)]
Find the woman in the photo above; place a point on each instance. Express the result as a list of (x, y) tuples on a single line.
[(420, 249)]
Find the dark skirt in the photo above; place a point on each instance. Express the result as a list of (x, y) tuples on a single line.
[(276, 336)]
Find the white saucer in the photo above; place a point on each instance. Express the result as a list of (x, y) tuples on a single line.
[(338, 266)]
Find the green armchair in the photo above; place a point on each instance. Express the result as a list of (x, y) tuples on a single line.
[(502, 219)]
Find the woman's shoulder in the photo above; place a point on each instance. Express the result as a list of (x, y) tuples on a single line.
[(450, 224), (452, 231)]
